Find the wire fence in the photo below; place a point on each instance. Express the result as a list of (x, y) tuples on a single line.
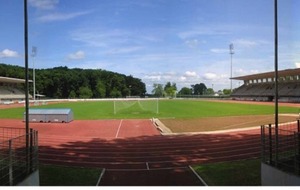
[(281, 146), (18, 155)]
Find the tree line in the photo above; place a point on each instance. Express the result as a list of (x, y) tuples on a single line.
[(170, 90), (63, 82)]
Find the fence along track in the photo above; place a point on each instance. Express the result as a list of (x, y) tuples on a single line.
[(281, 146), (18, 157)]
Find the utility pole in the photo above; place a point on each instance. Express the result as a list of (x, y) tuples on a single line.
[(33, 54), (231, 52)]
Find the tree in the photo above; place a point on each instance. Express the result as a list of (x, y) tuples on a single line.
[(210, 91), (158, 90), (72, 94), (185, 91), (100, 90), (59, 82), (85, 92), (226, 91), (170, 89), (115, 93), (199, 89)]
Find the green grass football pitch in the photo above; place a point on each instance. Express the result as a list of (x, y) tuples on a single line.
[(90, 110)]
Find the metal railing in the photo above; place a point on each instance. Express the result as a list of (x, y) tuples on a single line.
[(18, 155), (281, 146)]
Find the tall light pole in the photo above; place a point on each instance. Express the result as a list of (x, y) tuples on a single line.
[(33, 54), (276, 75), (26, 78), (231, 52)]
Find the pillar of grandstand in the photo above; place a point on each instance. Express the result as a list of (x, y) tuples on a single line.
[(260, 87), (11, 90)]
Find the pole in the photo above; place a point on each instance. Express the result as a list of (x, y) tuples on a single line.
[(115, 111), (26, 65), (33, 81), (231, 74), (26, 82), (231, 52), (276, 74), (33, 57), (157, 106)]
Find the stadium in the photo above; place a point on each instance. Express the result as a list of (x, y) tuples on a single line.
[(152, 141), (260, 87)]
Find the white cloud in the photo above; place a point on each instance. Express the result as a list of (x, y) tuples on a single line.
[(97, 37), (245, 43), (183, 78), (210, 76), (216, 50), (192, 43), (77, 55), (8, 53), (205, 30), (242, 72), (43, 4), (61, 16), (124, 50), (190, 74), (297, 65)]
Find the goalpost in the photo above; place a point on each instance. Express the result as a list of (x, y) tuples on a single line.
[(140, 105)]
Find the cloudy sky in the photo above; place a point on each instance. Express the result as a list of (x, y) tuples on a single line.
[(181, 41)]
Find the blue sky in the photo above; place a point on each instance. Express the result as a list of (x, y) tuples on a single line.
[(181, 41)]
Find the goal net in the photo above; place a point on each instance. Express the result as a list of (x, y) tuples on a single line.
[(136, 106)]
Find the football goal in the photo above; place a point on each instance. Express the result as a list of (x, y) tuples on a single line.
[(147, 105)]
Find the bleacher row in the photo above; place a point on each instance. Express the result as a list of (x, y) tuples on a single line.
[(287, 92), (9, 93)]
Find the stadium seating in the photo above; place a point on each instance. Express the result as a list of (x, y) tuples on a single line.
[(287, 92), (9, 93)]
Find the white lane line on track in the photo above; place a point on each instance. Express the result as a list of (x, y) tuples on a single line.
[(119, 128)]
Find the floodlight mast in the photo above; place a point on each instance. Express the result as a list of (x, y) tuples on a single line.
[(26, 78), (276, 75), (231, 52), (33, 54)]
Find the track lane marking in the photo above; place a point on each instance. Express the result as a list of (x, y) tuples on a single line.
[(119, 128)]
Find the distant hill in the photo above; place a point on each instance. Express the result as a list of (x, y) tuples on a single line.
[(63, 82)]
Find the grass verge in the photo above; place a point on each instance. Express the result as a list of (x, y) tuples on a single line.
[(237, 173), (167, 108), (68, 176)]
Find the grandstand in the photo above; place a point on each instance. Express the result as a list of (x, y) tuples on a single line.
[(261, 87), (11, 90)]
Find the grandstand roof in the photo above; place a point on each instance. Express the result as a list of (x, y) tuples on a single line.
[(282, 73), (12, 80)]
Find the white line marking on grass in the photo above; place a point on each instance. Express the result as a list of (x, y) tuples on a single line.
[(100, 177), (119, 128), (198, 176)]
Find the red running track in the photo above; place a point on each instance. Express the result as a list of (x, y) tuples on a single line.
[(135, 145)]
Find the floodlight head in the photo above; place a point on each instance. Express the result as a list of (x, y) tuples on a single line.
[(231, 51), (33, 52)]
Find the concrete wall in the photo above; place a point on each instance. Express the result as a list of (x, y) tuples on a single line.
[(31, 180), (271, 176)]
